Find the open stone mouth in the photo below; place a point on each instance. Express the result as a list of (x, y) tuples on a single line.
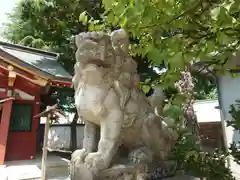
[(99, 63)]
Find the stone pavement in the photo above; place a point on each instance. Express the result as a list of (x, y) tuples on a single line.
[(2, 172), (57, 169), (60, 178)]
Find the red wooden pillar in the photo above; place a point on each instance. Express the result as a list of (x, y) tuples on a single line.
[(4, 128), (35, 122), (36, 110)]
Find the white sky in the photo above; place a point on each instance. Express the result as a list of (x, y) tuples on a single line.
[(6, 7)]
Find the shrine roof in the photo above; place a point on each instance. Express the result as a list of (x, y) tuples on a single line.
[(39, 61)]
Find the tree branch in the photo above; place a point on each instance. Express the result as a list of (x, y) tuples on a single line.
[(188, 11)]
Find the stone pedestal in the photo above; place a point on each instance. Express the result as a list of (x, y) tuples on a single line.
[(117, 172), (124, 172), (182, 177)]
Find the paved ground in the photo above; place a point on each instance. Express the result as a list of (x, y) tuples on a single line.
[(2, 172), (57, 169)]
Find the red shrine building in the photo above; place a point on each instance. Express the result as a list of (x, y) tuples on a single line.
[(26, 75)]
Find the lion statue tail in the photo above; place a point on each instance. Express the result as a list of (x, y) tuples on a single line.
[(168, 128), (157, 100)]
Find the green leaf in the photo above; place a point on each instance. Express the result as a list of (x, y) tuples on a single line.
[(177, 60), (99, 27), (196, 157), (123, 22), (215, 13), (223, 38), (145, 88), (96, 22), (153, 53), (111, 18), (91, 26), (190, 154), (108, 4), (210, 46), (149, 14), (235, 7), (83, 17), (224, 19)]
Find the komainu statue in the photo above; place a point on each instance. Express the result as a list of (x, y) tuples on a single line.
[(132, 134)]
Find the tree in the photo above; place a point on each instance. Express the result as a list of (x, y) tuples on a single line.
[(178, 33), (50, 25), (205, 86)]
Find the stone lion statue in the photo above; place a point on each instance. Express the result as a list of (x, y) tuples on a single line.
[(108, 98)]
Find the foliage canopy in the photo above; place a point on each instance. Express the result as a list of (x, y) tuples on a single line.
[(52, 24), (175, 33)]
